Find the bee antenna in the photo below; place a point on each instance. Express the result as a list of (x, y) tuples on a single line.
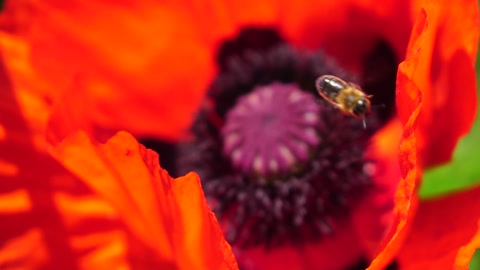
[(364, 123), (383, 106)]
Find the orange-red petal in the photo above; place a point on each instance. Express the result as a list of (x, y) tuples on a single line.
[(33, 95), (336, 25), (441, 64), (117, 64), (372, 217), (465, 253), (331, 253), (34, 234), (409, 97), (144, 66), (54, 218), (444, 234), (329, 25), (169, 216), (418, 104)]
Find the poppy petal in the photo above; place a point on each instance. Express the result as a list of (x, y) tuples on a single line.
[(159, 210), (414, 107), (31, 225), (51, 219), (331, 253), (347, 30), (127, 69), (26, 251), (329, 25), (199, 228), (373, 218), (409, 97), (465, 253), (444, 73), (444, 233), (32, 94)]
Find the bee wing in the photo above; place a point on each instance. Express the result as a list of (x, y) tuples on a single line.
[(329, 100), (354, 85)]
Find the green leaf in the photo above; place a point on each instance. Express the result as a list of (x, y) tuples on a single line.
[(461, 173)]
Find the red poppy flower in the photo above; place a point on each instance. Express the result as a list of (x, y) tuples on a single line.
[(76, 206), (146, 66)]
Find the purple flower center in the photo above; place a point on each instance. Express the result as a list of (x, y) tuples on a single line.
[(272, 131), (278, 164)]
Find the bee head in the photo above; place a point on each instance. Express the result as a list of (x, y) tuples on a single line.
[(361, 108)]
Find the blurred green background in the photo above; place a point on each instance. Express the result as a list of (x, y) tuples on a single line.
[(461, 173)]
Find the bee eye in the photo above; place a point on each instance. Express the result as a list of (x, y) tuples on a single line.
[(360, 108)]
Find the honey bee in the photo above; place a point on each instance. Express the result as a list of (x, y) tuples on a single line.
[(347, 97)]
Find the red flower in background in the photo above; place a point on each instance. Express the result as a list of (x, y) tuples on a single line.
[(145, 67)]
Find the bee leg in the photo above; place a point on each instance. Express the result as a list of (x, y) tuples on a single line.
[(364, 123)]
